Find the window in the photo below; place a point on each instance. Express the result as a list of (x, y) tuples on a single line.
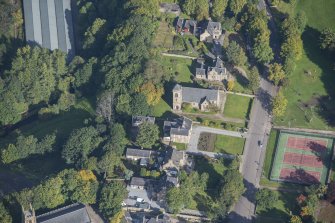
[(176, 95)]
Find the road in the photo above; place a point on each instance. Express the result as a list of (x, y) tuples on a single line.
[(253, 157), (192, 147)]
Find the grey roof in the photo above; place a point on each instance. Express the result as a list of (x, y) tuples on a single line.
[(179, 126), (198, 95), (140, 153), (177, 87), (212, 26), (75, 213), (144, 161), (139, 181), (191, 25), (170, 7), (219, 63), (200, 71), (138, 120), (172, 180), (49, 24)]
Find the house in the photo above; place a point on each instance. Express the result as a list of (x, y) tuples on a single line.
[(213, 31), (137, 154), (198, 98), (177, 130), (138, 120), (174, 159), (186, 26), (170, 8), (215, 73), (139, 183), (74, 213), (49, 24)]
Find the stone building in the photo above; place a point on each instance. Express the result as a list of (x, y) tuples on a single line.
[(177, 130), (198, 98), (213, 31), (217, 72)]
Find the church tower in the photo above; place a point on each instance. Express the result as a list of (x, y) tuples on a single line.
[(177, 97), (28, 216)]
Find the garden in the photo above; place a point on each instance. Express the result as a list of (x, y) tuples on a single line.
[(237, 106)]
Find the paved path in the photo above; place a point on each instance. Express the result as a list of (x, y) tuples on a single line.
[(241, 94), (192, 147), (178, 55)]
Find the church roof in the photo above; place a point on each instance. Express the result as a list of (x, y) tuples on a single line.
[(74, 213)]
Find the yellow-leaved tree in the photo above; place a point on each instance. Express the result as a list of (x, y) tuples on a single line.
[(152, 92)]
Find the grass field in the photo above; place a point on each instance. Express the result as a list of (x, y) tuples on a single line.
[(237, 106), (281, 210), (180, 67), (161, 108), (308, 156), (311, 89), (164, 37), (229, 144)]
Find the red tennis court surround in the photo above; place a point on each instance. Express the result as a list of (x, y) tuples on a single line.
[(307, 144), (299, 175), (302, 160)]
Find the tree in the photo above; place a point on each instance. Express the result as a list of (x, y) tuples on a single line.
[(110, 198), (202, 9), (152, 92), (295, 219), (301, 21), (327, 39), (139, 105), (276, 73), (80, 144), (175, 199), (108, 162), (266, 198), (105, 104), (4, 214), (118, 139), (230, 85), (235, 54), (144, 7), (189, 6), (236, 6), (218, 9), (91, 36), (254, 79), (231, 191), (148, 134), (84, 74), (279, 104)]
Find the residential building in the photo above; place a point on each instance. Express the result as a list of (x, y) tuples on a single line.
[(49, 24), (178, 130), (217, 73), (74, 213), (213, 31), (172, 8), (138, 120), (186, 26), (174, 159), (137, 154), (198, 98), (139, 183)]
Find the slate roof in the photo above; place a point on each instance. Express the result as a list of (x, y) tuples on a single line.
[(49, 24), (198, 95), (139, 181), (179, 126), (170, 7), (213, 26), (138, 120), (75, 213), (138, 153)]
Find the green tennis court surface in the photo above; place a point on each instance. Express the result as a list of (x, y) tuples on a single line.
[(302, 158)]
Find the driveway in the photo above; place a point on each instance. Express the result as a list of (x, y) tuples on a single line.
[(192, 147)]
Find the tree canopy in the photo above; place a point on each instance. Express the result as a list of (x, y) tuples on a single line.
[(148, 134)]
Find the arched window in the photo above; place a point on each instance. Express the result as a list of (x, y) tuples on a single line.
[(176, 95)]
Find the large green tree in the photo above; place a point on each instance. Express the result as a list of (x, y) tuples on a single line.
[(148, 134), (235, 54), (80, 144), (266, 198), (276, 73), (218, 9), (279, 105), (237, 5), (5, 217), (110, 198)]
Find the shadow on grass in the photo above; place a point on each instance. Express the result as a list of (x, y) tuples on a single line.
[(326, 107)]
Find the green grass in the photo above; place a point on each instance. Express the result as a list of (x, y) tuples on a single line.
[(161, 108), (237, 106), (304, 88), (229, 144), (180, 146), (164, 37), (270, 153), (180, 67), (281, 210)]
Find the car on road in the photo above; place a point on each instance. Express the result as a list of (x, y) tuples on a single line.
[(260, 143)]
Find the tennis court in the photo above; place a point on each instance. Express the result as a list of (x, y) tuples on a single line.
[(302, 158)]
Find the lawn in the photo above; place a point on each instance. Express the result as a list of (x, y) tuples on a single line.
[(237, 106), (164, 37), (180, 146), (308, 92), (229, 144), (161, 108), (281, 210), (180, 67)]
